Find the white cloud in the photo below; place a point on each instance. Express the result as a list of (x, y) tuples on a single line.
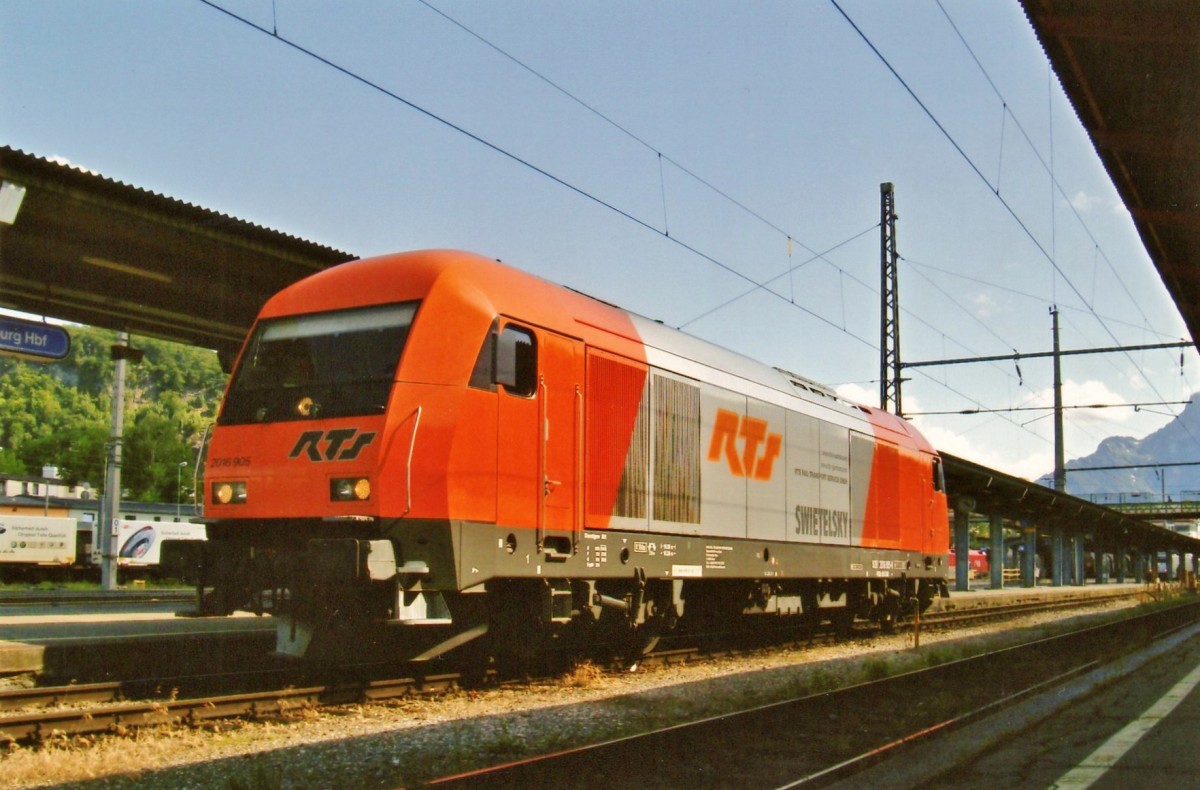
[(857, 393), (1029, 466), (1033, 455), (1084, 426), (1083, 202), (1113, 411), (956, 442), (984, 306)]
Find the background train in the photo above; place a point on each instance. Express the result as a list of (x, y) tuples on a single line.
[(35, 548), (422, 449), (977, 561)]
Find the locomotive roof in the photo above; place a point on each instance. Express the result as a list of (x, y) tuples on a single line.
[(548, 303)]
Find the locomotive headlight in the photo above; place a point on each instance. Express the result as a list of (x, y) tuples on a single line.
[(229, 493), (350, 489)]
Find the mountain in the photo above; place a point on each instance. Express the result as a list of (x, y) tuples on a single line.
[(1176, 442)]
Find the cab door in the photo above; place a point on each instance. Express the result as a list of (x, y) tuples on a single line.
[(518, 483), (560, 392), (539, 450)]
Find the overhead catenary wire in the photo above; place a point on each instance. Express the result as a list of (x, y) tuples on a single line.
[(918, 265), (535, 168), (869, 287), (792, 269), (663, 232), (1047, 254), (511, 156), (661, 157), (1056, 185), (961, 152), (1134, 406), (273, 34), (1026, 295)]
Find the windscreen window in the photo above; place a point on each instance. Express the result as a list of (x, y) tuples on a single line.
[(335, 364)]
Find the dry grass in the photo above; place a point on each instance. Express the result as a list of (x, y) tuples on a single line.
[(583, 675)]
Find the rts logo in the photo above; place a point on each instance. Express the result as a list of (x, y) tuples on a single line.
[(759, 448), (341, 444)]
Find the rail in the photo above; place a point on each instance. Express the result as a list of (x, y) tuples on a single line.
[(286, 701), (690, 754)]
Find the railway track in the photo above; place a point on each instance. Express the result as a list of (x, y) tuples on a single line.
[(982, 614), (792, 743), (105, 707), (120, 717)]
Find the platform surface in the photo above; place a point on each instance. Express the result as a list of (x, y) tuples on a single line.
[(25, 638)]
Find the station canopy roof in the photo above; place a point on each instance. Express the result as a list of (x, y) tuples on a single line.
[(1131, 69), (87, 249), (974, 488)]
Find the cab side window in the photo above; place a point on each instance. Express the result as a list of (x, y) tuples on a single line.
[(939, 475), (516, 361), (508, 357)]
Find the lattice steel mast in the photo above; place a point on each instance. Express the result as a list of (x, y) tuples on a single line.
[(889, 315)]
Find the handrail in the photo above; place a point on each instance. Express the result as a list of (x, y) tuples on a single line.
[(580, 504), (544, 479), (412, 443)]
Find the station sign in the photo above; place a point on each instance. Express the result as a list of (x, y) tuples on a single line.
[(29, 340)]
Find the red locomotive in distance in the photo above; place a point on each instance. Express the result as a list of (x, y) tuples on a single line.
[(977, 562), (436, 439)]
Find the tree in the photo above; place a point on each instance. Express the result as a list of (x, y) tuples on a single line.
[(78, 452), (60, 413), (35, 405), (10, 464), (152, 453)]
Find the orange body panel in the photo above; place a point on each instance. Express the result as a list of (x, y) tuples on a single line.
[(903, 504), (614, 391), (550, 459), (881, 525), (443, 450)]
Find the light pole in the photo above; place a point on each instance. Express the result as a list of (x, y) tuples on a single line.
[(178, 484)]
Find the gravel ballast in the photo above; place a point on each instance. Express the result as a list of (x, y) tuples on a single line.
[(407, 741)]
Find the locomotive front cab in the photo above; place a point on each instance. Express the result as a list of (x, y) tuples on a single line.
[(355, 442), (299, 434), (299, 444)]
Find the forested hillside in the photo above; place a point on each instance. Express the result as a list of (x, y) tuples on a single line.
[(60, 413)]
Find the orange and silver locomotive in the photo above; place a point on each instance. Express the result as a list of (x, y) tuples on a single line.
[(435, 446)]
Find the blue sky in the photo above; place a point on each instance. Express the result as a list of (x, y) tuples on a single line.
[(688, 133)]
